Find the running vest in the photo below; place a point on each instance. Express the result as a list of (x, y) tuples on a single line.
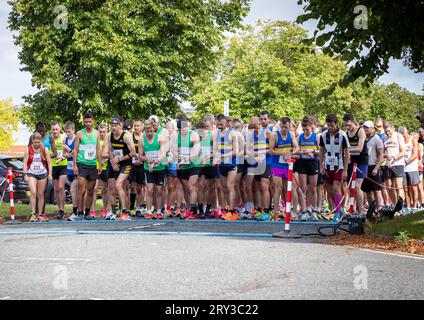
[(46, 142), (37, 164), (120, 148), (225, 147), (333, 147), (87, 153), (136, 142), (207, 148), (360, 158), (104, 167), (391, 147), (59, 148), (284, 146), (70, 165), (151, 150), (413, 166), (261, 144), (184, 148), (308, 144)]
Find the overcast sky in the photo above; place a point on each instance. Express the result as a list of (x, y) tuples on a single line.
[(15, 84)]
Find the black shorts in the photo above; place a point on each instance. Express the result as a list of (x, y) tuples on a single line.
[(87, 172), (266, 175), (156, 177), (112, 174), (308, 167), (185, 174), (209, 172), (104, 175), (224, 170), (137, 175), (368, 185), (59, 171), (396, 172), (71, 178), (385, 173), (38, 176)]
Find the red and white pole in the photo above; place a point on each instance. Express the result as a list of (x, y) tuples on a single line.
[(289, 195), (11, 193), (352, 190), (287, 234)]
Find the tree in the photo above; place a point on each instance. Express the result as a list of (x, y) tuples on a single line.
[(8, 123), (368, 33), (126, 57)]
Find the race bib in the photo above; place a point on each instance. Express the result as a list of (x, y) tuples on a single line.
[(152, 154), (118, 153), (206, 151), (282, 160), (331, 161), (90, 151), (70, 165), (185, 151), (36, 168), (59, 153)]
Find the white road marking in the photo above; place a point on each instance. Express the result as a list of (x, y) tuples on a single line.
[(397, 254)]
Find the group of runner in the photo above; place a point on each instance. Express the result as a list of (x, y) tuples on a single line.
[(223, 168)]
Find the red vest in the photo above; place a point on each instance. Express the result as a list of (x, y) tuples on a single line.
[(31, 157)]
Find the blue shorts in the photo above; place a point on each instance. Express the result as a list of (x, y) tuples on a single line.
[(362, 173)]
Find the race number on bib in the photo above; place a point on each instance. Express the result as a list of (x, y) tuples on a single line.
[(282, 160), (206, 151), (152, 154), (118, 153), (185, 151), (331, 161), (90, 152), (70, 165)]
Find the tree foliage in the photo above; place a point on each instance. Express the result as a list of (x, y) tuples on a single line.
[(126, 57), (369, 39), (8, 123), (271, 67)]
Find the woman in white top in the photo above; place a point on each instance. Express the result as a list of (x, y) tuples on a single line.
[(394, 151), (412, 176), (37, 169)]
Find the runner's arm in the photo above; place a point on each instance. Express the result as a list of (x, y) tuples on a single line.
[(130, 143), (76, 149), (49, 164), (361, 142), (26, 155), (98, 151), (415, 151), (402, 147), (195, 151), (53, 146)]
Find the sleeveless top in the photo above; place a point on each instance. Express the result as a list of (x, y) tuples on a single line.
[(225, 147), (360, 158), (284, 146), (413, 166), (87, 153), (120, 148), (151, 150), (308, 144), (70, 165), (391, 147)]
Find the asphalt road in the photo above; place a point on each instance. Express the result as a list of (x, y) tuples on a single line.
[(146, 260)]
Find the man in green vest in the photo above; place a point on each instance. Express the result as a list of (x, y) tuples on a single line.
[(152, 149), (87, 154), (59, 167)]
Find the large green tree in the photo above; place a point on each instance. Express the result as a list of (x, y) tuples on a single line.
[(126, 57), (368, 33), (271, 67)]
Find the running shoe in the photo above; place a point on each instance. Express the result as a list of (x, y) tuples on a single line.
[(294, 216), (33, 218), (88, 217), (314, 216), (138, 214), (93, 214), (276, 217), (103, 214), (216, 214), (236, 216), (336, 217), (228, 216), (132, 213), (43, 218), (263, 216), (304, 217), (160, 216), (109, 215), (124, 217), (209, 215), (148, 216), (177, 213), (72, 217), (186, 215), (60, 215)]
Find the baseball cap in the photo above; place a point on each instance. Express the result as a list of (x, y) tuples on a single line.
[(368, 124), (154, 118), (115, 121)]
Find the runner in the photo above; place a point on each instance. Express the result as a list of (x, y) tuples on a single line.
[(86, 152), (101, 182), (120, 146), (68, 151), (60, 170), (152, 149), (359, 155), (384, 169), (226, 150), (208, 173), (394, 151), (308, 168), (187, 150), (411, 178), (372, 184), (420, 169), (37, 169), (282, 147), (137, 177), (241, 168), (334, 160)]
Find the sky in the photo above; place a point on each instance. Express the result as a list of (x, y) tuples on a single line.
[(15, 83)]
